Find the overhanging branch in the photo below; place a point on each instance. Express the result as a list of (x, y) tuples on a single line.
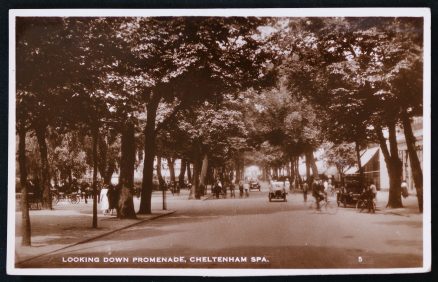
[(169, 118)]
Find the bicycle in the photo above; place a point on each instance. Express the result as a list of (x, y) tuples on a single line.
[(366, 204), (325, 206)]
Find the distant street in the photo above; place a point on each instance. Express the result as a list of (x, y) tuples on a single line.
[(274, 235)]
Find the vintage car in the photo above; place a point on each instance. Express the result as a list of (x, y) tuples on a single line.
[(254, 185), (277, 191), (349, 194)]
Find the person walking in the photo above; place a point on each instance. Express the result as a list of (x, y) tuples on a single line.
[(232, 195), (240, 188), (246, 188), (217, 188), (104, 203)]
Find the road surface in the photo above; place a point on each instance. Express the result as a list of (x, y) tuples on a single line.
[(252, 233)]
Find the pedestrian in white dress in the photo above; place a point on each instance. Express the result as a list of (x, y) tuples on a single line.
[(104, 203)]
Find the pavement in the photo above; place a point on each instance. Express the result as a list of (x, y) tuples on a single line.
[(70, 224), (282, 235)]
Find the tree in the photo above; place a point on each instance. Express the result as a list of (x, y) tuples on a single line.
[(126, 179), (203, 131), (288, 122), (354, 63), (190, 59), (69, 158), (342, 156), (22, 127)]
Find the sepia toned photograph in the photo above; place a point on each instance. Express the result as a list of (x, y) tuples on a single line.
[(219, 142)]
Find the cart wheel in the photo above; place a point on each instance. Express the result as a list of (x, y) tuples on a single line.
[(74, 200), (359, 206)]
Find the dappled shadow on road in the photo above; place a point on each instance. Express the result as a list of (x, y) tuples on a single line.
[(288, 257)]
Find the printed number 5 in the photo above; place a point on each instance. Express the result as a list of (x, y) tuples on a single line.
[(359, 259)]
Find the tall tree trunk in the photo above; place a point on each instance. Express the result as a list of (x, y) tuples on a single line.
[(203, 174), (308, 170), (95, 160), (108, 175), (297, 169), (276, 172), (238, 171), (397, 171), (315, 173), (341, 174), (25, 218), (149, 151), (159, 174), (292, 169), (195, 178), (393, 164), (359, 164), (70, 180), (126, 180), (189, 172), (103, 160), (106, 167), (161, 181), (171, 165), (40, 132), (417, 172), (182, 172)]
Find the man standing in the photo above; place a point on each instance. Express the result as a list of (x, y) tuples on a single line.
[(305, 188)]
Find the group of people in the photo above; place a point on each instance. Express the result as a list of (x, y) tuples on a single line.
[(368, 195), (108, 199), (220, 189), (321, 189)]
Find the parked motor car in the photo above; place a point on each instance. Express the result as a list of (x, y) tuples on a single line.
[(349, 194)]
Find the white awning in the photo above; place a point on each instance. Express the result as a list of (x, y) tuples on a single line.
[(365, 157)]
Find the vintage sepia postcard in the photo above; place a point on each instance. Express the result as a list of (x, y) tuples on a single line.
[(219, 142)]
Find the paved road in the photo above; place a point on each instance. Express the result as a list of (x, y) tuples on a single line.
[(273, 235)]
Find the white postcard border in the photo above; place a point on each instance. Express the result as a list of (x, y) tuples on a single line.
[(275, 12)]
